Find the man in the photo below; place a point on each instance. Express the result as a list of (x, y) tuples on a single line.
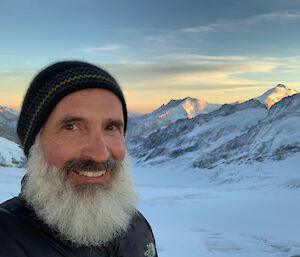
[(78, 197)]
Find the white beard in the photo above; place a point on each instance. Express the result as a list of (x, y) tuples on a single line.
[(78, 217)]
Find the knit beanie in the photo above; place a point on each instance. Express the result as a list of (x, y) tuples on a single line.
[(51, 85)]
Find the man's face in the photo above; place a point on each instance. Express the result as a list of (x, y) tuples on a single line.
[(85, 125), (87, 208)]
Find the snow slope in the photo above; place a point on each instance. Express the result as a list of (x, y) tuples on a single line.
[(10, 154), (8, 117), (235, 210)]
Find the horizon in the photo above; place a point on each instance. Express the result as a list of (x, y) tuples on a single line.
[(216, 51), (238, 101)]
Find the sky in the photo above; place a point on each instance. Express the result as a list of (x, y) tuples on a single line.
[(220, 51)]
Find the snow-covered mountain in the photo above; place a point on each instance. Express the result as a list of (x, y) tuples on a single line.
[(203, 134), (134, 115), (274, 137), (8, 117), (11, 155), (142, 126), (243, 132), (8, 122), (275, 94)]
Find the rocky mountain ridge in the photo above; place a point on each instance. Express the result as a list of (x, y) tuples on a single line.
[(243, 132), (143, 125)]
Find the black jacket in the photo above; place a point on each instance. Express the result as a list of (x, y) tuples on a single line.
[(24, 235)]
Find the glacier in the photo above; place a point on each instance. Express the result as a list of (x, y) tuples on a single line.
[(237, 210)]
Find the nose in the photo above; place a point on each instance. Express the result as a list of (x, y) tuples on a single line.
[(95, 148)]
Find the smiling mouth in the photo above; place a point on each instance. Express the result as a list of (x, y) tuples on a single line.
[(91, 174)]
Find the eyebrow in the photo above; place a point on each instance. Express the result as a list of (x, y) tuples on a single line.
[(71, 119), (116, 122), (67, 119)]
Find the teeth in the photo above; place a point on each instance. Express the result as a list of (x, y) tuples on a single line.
[(92, 174)]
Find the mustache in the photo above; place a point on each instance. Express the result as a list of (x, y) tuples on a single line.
[(90, 165)]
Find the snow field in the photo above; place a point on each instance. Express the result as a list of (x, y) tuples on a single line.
[(194, 213), (237, 210)]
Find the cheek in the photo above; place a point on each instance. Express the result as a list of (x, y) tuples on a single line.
[(121, 153), (117, 149), (55, 153)]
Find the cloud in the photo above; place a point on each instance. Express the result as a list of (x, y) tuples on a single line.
[(217, 79), (196, 57), (162, 37), (204, 28), (165, 36), (229, 23), (104, 48), (279, 16), (222, 25), (274, 17), (202, 73), (15, 73), (198, 29)]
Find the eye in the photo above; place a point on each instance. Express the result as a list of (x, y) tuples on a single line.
[(70, 127), (111, 127)]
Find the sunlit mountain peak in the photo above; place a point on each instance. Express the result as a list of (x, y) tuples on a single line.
[(193, 106), (168, 113), (276, 94), (184, 108)]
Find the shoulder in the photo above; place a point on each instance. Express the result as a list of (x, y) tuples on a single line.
[(13, 210), (17, 218), (10, 213), (139, 240), (22, 234), (9, 229), (7, 210), (140, 225)]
